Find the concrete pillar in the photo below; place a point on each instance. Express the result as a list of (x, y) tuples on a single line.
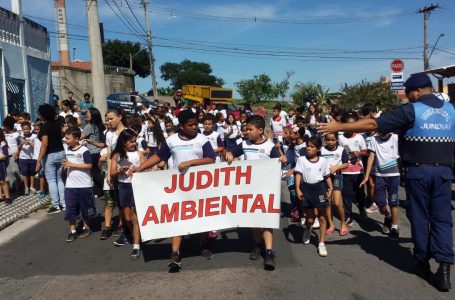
[(62, 30), (96, 56), (16, 7)]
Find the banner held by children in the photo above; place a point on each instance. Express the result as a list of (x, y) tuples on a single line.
[(209, 197)]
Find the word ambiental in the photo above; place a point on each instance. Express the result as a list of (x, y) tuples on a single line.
[(212, 206)]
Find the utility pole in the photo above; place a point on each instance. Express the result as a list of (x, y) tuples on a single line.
[(96, 56), (149, 49), (426, 14)]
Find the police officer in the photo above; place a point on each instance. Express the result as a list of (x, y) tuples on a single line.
[(427, 141)]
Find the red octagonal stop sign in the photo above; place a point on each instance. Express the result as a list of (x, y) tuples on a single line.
[(397, 65)]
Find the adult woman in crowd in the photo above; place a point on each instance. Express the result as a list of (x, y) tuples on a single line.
[(93, 135), (52, 155)]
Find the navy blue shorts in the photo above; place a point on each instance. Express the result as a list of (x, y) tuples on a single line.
[(125, 193), (231, 144), (337, 182), (27, 167), (386, 191), (79, 200), (153, 150), (314, 195), (3, 165)]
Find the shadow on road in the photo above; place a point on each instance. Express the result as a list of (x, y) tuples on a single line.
[(384, 249)]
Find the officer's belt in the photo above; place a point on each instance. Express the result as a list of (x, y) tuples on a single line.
[(426, 164)]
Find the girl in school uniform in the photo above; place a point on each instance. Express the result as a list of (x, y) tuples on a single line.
[(124, 158)]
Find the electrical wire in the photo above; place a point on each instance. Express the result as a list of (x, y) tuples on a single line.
[(126, 24), (134, 15)]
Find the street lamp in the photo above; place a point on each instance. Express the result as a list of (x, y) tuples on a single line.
[(435, 44), (131, 58)]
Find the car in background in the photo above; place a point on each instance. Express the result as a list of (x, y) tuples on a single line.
[(130, 103)]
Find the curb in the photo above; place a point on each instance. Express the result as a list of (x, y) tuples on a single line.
[(20, 208)]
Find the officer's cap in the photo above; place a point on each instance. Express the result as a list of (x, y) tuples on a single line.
[(417, 81)]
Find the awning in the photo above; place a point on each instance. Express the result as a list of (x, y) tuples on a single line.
[(443, 72)]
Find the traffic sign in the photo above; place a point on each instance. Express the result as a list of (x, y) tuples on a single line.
[(396, 77), (397, 65), (397, 86)]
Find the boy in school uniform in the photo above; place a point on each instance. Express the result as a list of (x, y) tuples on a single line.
[(187, 148), (258, 147), (384, 158), (78, 189)]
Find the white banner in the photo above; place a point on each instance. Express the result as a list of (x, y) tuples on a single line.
[(209, 197)]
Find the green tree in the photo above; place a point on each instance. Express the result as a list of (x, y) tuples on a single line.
[(259, 88), (189, 72), (364, 92), (117, 53), (307, 92), (282, 87)]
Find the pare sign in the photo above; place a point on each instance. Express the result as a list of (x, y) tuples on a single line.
[(210, 197)]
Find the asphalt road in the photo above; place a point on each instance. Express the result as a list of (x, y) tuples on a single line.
[(37, 263)]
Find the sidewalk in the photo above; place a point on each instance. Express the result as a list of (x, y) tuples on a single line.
[(20, 208)]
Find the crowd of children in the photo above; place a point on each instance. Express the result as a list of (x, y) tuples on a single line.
[(321, 172)]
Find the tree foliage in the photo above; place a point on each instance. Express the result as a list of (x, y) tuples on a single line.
[(261, 88), (367, 92), (117, 53), (308, 92), (189, 72)]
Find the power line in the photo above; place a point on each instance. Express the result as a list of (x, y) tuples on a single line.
[(239, 46), (134, 15), (126, 18), (126, 24), (306, 19)]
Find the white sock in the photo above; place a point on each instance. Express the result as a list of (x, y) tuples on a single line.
[(136, 246), (73, 231), (395, 226), (321, 244)]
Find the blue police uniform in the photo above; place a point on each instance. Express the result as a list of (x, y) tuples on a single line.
[(427, 144)]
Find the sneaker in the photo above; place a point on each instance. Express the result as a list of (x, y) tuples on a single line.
[(176, 262), (363, 215), (316, 223), (372, 209), (306, 236), (53, 210), (8, 201), (85, 233), (33, 190), (322, 250), (121, 241), (105, 234), (136, 254), (394, 234), (71, 237), (213, 234), (255, 253), (118, 232), (41, 194), (27, 192), (387, 225), (350, 222), (206, 253), (295, 215), (62, 208), (269, 260)]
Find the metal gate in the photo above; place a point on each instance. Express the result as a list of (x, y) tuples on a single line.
[(15, 95)]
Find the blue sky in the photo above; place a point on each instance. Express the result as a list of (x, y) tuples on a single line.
[(312, 30)]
